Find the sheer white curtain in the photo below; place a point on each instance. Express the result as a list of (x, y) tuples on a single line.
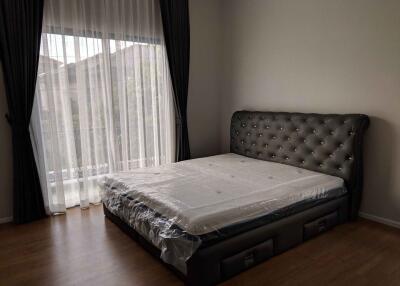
[(104, 98)]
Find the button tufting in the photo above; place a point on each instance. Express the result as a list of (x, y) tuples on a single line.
[(279, 138)]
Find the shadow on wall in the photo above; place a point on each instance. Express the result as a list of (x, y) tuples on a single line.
[(379, 169)]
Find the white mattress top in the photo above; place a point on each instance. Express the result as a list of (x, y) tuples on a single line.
[(203, 195)]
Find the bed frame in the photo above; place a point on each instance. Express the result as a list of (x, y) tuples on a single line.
[(330, 144)]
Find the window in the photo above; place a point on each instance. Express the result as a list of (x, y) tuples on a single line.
[(103, 105)]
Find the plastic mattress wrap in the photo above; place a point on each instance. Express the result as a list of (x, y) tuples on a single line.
[(174, 205)]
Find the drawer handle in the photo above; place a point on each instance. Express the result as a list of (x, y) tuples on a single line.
[(249, 259), (322, 225)]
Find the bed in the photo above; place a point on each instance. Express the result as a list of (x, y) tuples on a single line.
[(287, 178)]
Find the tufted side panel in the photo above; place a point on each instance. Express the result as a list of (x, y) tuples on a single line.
[(326, 143)]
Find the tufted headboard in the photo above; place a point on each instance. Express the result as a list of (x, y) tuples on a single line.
[(326, 143)]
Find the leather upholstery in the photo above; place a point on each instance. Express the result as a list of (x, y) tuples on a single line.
[(330, 144), (204, 267)]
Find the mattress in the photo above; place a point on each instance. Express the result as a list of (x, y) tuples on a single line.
[(174, 206)]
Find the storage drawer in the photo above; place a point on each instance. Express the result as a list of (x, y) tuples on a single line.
[(237, 263), (320, 225)]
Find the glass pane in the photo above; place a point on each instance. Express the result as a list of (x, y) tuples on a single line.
[(93, 105)]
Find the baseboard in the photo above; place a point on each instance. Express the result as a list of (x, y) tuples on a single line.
[(5, 219), (379, 219)]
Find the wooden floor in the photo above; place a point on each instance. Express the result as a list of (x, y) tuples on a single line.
[(84, 248)]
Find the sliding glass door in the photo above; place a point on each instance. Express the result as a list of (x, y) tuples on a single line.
[(104, 101)]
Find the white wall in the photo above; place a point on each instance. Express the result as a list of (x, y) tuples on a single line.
[(323, 56), (205, 75), (5, 158), (293, 55)]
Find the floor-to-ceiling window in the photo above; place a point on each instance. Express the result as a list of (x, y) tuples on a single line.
[(103, 101)]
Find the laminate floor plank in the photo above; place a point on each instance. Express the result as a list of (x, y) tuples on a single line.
[(85, 248)]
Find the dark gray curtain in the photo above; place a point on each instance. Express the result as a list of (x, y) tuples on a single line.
[(20, 32), (175, 18)]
